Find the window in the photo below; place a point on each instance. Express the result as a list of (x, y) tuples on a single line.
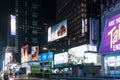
[(112, 64)]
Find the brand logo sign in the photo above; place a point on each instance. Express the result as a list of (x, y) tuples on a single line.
[(111, 37)]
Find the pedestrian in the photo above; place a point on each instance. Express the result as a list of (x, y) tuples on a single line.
[(16, 74), (29, 75), (5, 76)]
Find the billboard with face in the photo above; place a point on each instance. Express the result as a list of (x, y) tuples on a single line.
[(57, 31), (34, 53), (24, 54), (111, 37)]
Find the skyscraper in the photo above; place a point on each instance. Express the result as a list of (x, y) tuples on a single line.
[(77, 13), (29, 20)]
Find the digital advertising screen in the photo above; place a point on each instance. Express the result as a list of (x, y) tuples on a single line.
[(112, 64), (50, 56), (90, 58), (8, 58), (58, 31), (47, 56), (111, 40), (40, 57), (76, 54), (34, 53), (24, 53), (61, 58), (44, 57), (13, 25), (112, 60)]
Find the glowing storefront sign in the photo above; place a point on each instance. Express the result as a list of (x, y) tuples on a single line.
[(111, 37)]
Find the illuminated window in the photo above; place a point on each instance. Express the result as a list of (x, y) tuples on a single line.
[(34, 14), (34, 23), (34, 40), (34, 31)]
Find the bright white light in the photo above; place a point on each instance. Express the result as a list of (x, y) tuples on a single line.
[(13, 25)]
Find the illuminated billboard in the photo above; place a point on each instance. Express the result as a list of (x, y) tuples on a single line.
[(24, 54), (111, 37), (48, 56), (61, 58), (44, 57), (8, 58), (34, 53), (94, 31), (58, 31), (13, 25), (78, 55)]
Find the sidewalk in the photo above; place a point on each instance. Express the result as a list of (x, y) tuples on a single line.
[(25, 77)]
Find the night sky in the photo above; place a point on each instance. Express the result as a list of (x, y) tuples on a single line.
[(7, 7)]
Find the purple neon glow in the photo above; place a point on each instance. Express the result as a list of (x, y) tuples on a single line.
[(111, 37)]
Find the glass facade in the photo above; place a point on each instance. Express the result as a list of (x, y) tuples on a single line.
[(112, 64)]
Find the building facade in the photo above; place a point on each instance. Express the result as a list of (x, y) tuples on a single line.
[(110, 15), (82, 39), (29, 20), (78, 14)]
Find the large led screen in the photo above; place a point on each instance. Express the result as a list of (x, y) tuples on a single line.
[(111, 64), (8, 58), (112, 60), (13, 25), (78, 55), (111, 38), (61, 58), (48, 56), (34, 53), (40, 57), (24, 54), (57, 31), (90, 58), (44, 57)]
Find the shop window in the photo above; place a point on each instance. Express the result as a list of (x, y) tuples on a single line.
[(112, 64)]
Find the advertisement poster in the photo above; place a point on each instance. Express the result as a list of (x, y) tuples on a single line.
[(8, 58), (58, 31), (61, 58), (111, 37), (24, 54), (34, 53)]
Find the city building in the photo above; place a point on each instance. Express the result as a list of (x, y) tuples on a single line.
[(29, 25), (109, 47), (78, 14), (76, 37)]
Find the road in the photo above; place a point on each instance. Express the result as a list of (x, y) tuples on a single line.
[(23, 77)]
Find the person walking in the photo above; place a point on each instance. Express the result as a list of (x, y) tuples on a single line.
[(6, 76)]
